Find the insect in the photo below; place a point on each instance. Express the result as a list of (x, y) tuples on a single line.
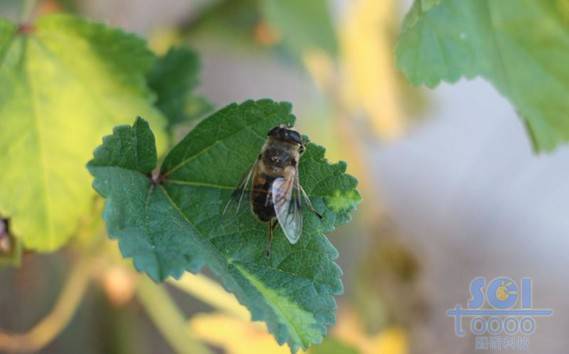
[(276, 194)]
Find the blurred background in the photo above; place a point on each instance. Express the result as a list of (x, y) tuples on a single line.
[(451, 187)]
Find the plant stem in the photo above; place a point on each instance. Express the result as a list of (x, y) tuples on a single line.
[(211, 293), (168, 318), (52, 324)]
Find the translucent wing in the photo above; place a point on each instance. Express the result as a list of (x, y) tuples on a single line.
[(286, 200), (238, 194)]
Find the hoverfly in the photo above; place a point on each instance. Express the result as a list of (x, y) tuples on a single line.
[(276, 194)]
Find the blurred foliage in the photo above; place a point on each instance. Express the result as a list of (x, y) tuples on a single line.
[(235, 336), (371, 86), (521, 47), (238, 336), (333, 346), (387, 290), (168, 318), (174, 78), (350, 330), (303, 26), (365, 94), (234, 21), (288, 28)]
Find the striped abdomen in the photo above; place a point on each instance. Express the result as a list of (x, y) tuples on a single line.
[(261, 201)]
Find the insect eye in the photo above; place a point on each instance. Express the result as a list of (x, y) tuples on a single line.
[(294, 136)]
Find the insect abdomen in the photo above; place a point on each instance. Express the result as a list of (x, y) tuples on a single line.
[(261, 202)]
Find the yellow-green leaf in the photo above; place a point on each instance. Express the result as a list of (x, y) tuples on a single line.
[(63, 83)]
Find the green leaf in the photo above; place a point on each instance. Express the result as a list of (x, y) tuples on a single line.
[(63, 83), (172, 222), (521, 46), (174, 78), (303, 25)]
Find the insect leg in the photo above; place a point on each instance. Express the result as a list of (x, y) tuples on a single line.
[(308, 202)]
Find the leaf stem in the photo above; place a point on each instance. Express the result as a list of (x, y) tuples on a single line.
[(167, 317), (211, 293), (52, 324)]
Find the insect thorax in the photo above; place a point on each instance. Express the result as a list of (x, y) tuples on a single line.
[(277, 156)]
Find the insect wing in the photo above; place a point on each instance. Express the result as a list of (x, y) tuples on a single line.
[(238, 195), (287, 207)]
